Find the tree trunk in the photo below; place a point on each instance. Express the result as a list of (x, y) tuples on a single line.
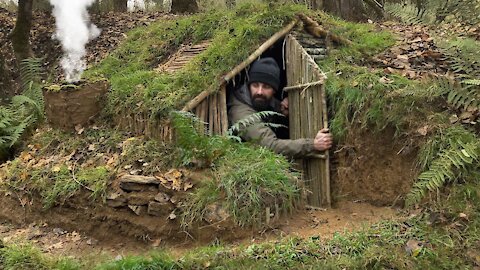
[(4, 80), (20, 35), (120, 5), (184, 6), (316, 4), (352, 10), (95, 8)]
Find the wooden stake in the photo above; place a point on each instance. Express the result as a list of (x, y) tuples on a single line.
[(223, 109)]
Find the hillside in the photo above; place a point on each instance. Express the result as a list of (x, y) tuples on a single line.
[(403, 108)]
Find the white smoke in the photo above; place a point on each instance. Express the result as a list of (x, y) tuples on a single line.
[(74, 31)]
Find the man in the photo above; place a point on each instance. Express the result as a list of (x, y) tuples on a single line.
[(259, 95)]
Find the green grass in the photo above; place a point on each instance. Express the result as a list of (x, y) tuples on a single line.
[(233, 34), (246, 178), (56, 165), (26, 256), (446, 243)]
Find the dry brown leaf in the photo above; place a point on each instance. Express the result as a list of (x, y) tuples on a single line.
[(385, 80), (403, 57), (75, 236), (25, 156), (157, 242), (174, 173), (24, 176), (187, 186), (55, 246), (423, 130), (453, 119)]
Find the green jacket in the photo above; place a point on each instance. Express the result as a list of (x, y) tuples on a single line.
[(240, 104)]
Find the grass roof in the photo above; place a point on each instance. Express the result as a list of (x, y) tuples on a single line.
[(234, 34)]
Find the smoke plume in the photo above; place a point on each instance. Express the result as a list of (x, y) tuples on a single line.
[(74, 30)]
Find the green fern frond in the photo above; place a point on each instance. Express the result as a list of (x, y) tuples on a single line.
[(256, 118), (448, 166), (408, 13), (32, 107), (462, 56), (464, 60), (17, 131), (6, 117), (30, 71), (472, 82), (464, 97), (193, 144)]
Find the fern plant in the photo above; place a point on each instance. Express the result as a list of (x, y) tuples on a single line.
[(30, 73), (408, 13), (464, 61), (456, 152), (258, 118), (464, 97), (24, 110), (194, 145)]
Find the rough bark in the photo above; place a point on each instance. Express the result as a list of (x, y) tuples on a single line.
[(20, 35), (316, 4), (120, 5), (184, 6), (95, 8), (352, 10), (377, 7), (4, 81)]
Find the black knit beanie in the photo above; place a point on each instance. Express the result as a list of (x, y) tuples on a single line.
[(265, 70)]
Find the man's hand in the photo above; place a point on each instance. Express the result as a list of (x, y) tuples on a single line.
[(323, 141), (284, 106)]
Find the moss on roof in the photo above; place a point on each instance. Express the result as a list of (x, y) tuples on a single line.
[(233, 34)]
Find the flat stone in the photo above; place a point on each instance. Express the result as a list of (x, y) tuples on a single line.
[(138, 182), (140, 198), (160, 209), (162, 197), (116, 199), (138, 209)]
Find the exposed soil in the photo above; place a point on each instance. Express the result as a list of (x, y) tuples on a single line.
[(80, 233), (368, 170), (374, 167)]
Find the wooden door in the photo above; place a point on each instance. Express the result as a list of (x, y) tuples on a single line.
[(307, 115)]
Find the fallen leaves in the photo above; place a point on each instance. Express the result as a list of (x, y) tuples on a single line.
[(174, 180), (414, 56)]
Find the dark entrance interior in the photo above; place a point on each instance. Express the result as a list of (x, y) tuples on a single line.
[(276, 51)]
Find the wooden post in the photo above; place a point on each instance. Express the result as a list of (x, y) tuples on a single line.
[(223, 109), (307, 116)]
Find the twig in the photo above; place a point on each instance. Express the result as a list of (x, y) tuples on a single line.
[(311, 207), (78, 182), (304, 86), (212, 224)]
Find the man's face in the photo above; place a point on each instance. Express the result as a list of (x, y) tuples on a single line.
[(261, 94)]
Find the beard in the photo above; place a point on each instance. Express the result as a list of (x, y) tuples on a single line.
[(260, 103)]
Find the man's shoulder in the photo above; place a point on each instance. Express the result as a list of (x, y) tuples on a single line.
[(239, 110)]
